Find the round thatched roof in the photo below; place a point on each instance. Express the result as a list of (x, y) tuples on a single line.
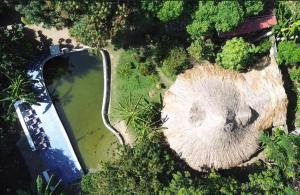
[(214, 116)]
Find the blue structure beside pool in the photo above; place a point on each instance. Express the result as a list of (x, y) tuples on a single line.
[(53, 153)]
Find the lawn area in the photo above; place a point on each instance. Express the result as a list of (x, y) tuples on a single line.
[(128, 81)]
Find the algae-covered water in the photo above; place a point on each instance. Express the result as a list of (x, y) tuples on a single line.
[(75, 83)]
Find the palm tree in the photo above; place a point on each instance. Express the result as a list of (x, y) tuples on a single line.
[(140, 114), (17, 90)]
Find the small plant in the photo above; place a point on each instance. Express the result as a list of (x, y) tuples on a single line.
[(200, 50), (236, 54), (295, 73), (146, 68), (125, 71), (288, 53), (176, 62), (263, 47)]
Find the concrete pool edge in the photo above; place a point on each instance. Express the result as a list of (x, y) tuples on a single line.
[(107, 95)]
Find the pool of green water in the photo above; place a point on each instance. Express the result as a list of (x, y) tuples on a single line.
[(75, 83)]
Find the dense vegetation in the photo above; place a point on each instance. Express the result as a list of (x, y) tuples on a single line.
[(159, 38), (16, 51)]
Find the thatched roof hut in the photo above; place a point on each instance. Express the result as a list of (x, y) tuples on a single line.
[(214, 117)]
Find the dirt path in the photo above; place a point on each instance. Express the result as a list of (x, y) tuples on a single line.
[(54, 36)]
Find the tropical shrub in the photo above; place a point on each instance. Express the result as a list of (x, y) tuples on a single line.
[(202, 20), (236, 54), (229, 15), (125, 70), (288, 19), (214, 16), (200, 49), (288, 53), (176, 62), (295, 73), (253, 7), (170, 10), (263, 47), (92, 29), (142, 169), (146, 68), (151, 6)]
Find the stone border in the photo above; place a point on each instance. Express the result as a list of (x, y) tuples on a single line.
[(106, 95)]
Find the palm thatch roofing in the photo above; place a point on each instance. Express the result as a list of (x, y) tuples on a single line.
[(214, 117)]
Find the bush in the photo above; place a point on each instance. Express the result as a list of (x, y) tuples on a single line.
[(263, 47), (295, 74), (170, 10), (125, 70), (92, 30), (253, 7), (288, 53), (146, 68), (236, 54), (176, 62), (202, 23), (230, 14), (210, 16), (142, 169), (200, 50)]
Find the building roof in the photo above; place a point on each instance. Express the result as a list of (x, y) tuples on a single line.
[(251, 25), (214, 117)]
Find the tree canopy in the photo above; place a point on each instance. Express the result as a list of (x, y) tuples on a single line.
[(170, 10), (236, 54)]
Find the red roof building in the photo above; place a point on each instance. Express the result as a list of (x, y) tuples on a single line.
[(251, 25)]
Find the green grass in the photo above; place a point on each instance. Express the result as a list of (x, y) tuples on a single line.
[(134, 84)]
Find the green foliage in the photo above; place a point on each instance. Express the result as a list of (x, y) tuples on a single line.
[(146, 68), (142, 169), (181, 184), (282, 168), (254, 7), (92, 29), (52, 13), (288, 53), (295, 73), (283, 150), (269, 181), (223, 16), (170, 10), (140, 114), (288, 19), (200, 50), (176, 62), (229, 15), (151, 6), (18, 90), (203, 22), (133, 80), (236, 54), (263, 47)]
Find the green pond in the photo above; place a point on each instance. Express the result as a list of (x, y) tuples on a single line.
[(75, 83)]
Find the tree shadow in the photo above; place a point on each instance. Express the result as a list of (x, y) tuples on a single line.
[(292, 98), (61, 165), (10, 16)]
